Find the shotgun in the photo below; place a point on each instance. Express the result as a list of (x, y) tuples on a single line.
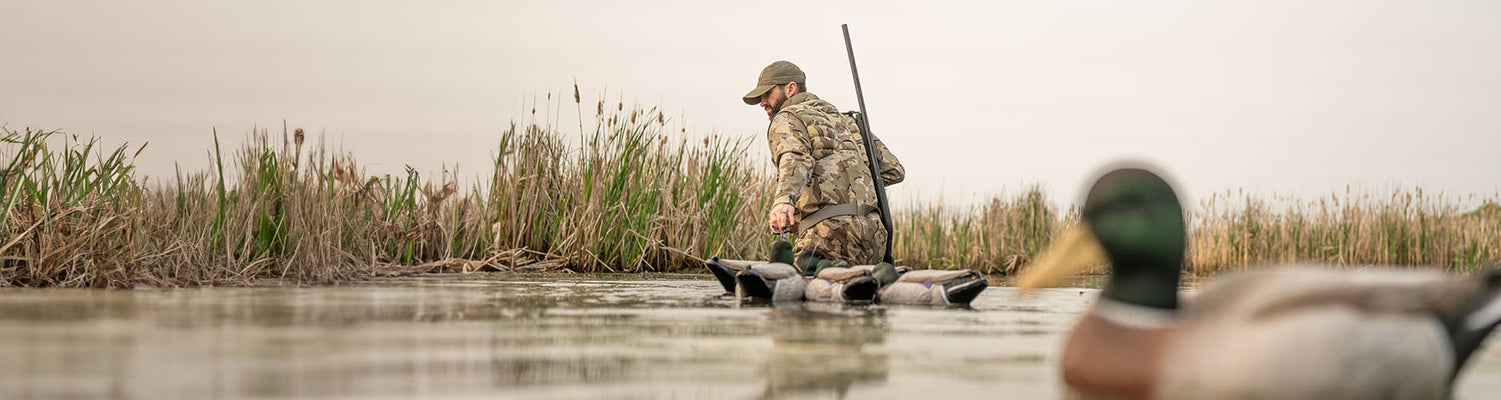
[(873, 159)]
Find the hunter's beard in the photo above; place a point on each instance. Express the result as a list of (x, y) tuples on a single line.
[(774, 107)]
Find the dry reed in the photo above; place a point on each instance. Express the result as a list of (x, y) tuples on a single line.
[(1232, 231), (624, 198)]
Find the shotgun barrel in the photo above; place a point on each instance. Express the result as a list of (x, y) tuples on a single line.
[(873, 159)]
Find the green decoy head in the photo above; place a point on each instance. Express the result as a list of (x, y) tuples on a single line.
[(1133, 219)]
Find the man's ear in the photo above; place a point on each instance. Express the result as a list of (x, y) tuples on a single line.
[(793, 88)]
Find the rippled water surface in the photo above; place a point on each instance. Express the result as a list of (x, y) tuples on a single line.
[(528, 336)]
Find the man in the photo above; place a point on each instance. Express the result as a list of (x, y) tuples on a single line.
[(824, 188)]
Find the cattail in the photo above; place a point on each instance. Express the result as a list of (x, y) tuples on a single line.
[(660, 119), (576, 92), (633, 116), (297, 156), (436, 197)]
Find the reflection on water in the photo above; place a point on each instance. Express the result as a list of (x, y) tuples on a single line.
[(519, 336), (819, 349)]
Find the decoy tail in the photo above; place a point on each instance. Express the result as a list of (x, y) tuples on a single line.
[(1476, 320), (861, 289), (754, 284), (964, 292), (723, 273)]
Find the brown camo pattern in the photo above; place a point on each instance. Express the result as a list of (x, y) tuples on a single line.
[(858, 240), (820, 157)]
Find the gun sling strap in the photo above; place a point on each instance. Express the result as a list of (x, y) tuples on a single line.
[(833, 211)]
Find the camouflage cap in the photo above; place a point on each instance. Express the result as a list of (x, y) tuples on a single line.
[(778, 73)]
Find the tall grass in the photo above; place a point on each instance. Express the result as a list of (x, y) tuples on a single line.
[(625, 198), (67, 210), (1228, 231), (1000, 236), (627, 195), (1406, 227)]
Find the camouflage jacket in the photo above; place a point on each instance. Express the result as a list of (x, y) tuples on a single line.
[(820, 157)]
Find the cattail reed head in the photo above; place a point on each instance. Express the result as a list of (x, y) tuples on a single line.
[(576, 92), (437, 196), (297, 137)]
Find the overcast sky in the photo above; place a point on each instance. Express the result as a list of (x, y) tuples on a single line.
[(976, 98)]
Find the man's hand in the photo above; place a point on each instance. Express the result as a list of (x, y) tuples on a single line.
[(781, 217)]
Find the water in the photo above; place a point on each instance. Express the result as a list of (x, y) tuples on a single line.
[(532, 337)]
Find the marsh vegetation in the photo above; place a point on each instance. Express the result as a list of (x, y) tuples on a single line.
[(630, 195)]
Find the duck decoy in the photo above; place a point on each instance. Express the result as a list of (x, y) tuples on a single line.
[(843, 285), (1294, 332), (934, 287), (778, 282)]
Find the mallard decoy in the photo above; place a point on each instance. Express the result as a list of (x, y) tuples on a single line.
[(725, 270), (934, 287), (1277, 334), (843, 285), (835, 281), (773, 281), (907, 286)]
